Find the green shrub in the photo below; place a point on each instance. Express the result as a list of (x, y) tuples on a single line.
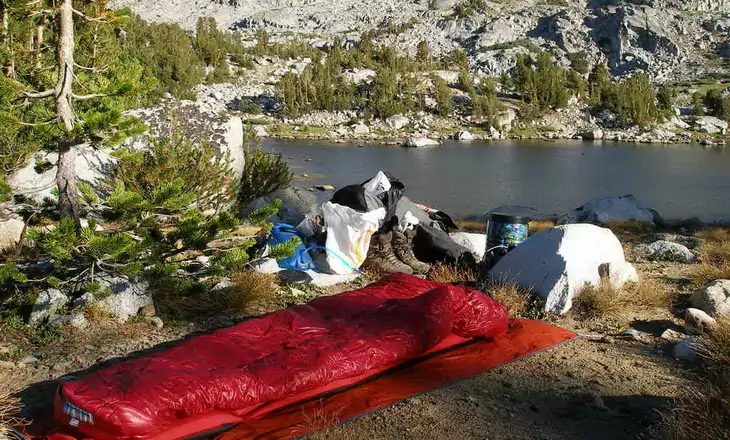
[(467, 8), (443, 96), (5, 191), (167, 52), (263, 174), (540, 81), (698, 104), (578, 61), (665, 100), (717, 104), (465, 83), (169, 176)]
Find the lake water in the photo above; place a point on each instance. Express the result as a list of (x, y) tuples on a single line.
[(468, 179)]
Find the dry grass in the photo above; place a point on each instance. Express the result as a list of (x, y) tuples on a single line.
[(540, 225), (480, 226), (717, 235), (649, 293), (715, 345), (629, 227), (600, 301), (471, 226), (322, 425), (606, 301), (249, 288), (446, 273), (9, 408), (96, 314), (714, 254), (514, 298), (705, 414)]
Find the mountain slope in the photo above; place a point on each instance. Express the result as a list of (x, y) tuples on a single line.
[(669, 40)]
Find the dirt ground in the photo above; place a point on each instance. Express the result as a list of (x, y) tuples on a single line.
[(604, 386)]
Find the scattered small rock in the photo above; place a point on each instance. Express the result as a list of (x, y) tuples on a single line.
[(325, 187), (663, 250), (713, 299), (673, 335), (697, 321), (10, 232), (296, 292), (686, 349), (78, 321), (58, 321), (224, 284), (155, 322), (61, 366), (147, 311), (48, 302), (29, 360)]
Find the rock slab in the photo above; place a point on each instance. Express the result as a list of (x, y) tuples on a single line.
[(48, 303), (611, 209), (556, 263), (11, 231), (713, 299), (126, 297), (663, 250)]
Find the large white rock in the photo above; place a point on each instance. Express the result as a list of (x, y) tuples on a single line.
[(476, 243), (48, 302), (417, 142), (359, 75), (621, 272), (710, 124), (714, 298), (10, 233), (92, 165), (296, 204), (610, 209), (233, 144), (360, 129), (464, 136), (125, 296), (556, 263), (397, 122)]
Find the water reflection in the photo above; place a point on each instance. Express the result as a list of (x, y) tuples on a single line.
[(471, 178)]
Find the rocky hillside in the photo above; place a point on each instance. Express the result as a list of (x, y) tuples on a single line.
[(671, 40)]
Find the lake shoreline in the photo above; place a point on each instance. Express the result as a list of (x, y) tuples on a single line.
[(398, 140)]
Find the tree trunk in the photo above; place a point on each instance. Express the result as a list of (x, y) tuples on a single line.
[(66, 181), (39, 47), (66, 177), (6, 42)]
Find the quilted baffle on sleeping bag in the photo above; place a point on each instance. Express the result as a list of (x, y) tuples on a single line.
[(228, 374)]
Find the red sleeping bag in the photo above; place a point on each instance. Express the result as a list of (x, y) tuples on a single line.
[(224, 376)]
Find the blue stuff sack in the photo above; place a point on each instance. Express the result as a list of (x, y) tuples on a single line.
[(301, 260)]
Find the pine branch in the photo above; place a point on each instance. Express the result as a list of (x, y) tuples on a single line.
[(39, 95), (90, 96), (86, 17), (92, 69)]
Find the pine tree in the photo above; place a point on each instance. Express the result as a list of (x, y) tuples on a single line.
[(637, 101), (443, 96), (75, 118), (423, 53)]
